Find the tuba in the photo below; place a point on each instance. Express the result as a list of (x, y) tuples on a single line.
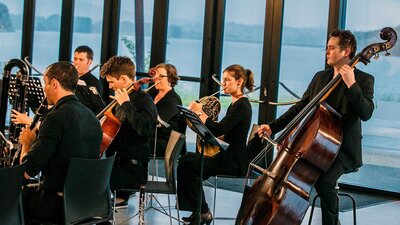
[(17, 94)]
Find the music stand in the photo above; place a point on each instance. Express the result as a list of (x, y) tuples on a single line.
[(205, 137), (35, 93)]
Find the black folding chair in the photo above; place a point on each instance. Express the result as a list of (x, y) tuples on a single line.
[(87, 195), (11, 179)]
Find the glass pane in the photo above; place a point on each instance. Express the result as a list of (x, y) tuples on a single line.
[(47, 33), (88, 25), (303, 46), (243, 42), (185, 36), (10, 30), (127, 45), (189, 92), (381, 143)]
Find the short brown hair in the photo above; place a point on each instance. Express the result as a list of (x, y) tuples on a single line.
[(86, 49), (65, 73), (172, 73), (346, 40), (117, 66)]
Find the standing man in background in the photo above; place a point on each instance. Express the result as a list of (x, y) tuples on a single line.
[(89, 87)]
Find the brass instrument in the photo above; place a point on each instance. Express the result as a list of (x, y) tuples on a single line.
[(18, 101), (212, 108)]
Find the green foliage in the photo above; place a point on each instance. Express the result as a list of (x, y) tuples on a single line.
[(131, 46), (5, 21)]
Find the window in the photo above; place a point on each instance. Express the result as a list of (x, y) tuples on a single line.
[(243, 42), (303, 46), (47, 33), (381, 143), (185, 36), (10, 30), (127, 46), (88, 25)]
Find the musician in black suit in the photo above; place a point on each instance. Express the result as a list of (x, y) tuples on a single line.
[(234, 126), (89, 87), (63, 134), (353, 99), (137, 114)]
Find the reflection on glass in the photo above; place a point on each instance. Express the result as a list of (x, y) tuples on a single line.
[(127, 45), (88, 22), (185, 36), (381, 143), (243, 41), (189, 92), (303, 46), (10, 30), (47, 33)]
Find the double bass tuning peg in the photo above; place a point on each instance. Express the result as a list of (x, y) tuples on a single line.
[(387, 53), (376, 56)]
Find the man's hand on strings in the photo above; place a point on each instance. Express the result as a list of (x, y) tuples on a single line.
[(264, 131), (347, 75), (121, 95)]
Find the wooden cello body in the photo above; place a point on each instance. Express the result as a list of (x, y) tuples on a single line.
[(306, 148)]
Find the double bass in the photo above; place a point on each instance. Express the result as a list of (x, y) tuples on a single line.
[(306, 148)]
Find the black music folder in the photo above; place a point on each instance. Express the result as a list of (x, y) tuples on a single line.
[(201, 129)]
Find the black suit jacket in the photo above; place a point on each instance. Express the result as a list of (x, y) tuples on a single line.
[(354, 104)]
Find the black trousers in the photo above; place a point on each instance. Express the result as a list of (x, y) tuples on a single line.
[(42, 205), (325, 188), (189, 180), (127, 176)]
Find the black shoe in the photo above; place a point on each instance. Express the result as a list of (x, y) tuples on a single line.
[(189, 218), (206, 218), (121, 205), (104, 223)]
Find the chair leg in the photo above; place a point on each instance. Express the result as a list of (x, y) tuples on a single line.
[(113, 200), (169, 210), (215, 197), (312, 209), (354, 206), (177, 208)]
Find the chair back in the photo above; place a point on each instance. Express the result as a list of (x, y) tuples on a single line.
[(174, 147), (255, 145), (11, 179), (86, 190), (253, 132)]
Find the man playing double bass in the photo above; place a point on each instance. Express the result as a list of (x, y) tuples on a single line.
[(353, 99)]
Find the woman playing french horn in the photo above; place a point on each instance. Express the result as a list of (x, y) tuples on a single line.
[(234, 126)]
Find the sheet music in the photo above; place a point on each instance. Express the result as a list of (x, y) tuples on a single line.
[(201, 129)]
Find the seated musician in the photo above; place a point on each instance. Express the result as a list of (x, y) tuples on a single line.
[(353, 99), (138, 115), (166, 100), (63, 134), (234, 126)]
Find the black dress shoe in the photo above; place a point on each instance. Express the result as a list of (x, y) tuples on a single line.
[(206, 218), (189, 218)]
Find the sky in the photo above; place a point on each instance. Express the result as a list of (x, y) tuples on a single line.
[(370, 13)]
